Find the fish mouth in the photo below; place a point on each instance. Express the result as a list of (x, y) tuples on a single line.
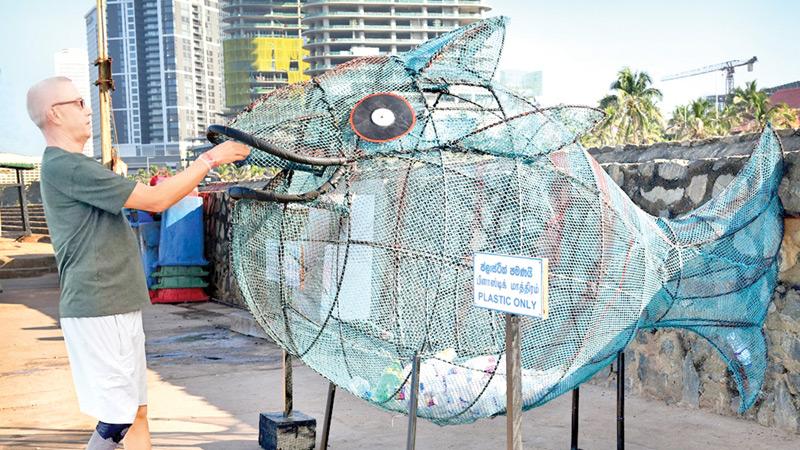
[(216, 134)]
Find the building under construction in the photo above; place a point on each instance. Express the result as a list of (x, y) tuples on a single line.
[(262, 49)]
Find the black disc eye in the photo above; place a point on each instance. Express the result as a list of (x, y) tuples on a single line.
[(382, 117)]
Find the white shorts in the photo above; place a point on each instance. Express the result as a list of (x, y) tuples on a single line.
[(108, 363)]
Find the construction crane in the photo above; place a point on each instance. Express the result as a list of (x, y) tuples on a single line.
[(728, 66)]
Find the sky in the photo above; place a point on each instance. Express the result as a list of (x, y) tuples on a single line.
[(579, 45)]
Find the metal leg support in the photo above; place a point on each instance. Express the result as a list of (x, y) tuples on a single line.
[(288, 428), (23, 204), (412, 405), (576, 394), (326, 425), (620, 401), (287, 384)]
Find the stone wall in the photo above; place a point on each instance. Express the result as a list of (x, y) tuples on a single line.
[(217, 209), (217, 212), (676, 366)]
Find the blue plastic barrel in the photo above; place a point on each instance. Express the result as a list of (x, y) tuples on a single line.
[(136, 217), (182, 234), (149, 237)]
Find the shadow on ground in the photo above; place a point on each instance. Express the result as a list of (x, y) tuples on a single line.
[(207, 386)]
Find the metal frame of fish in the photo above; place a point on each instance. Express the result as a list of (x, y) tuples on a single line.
[(358, 253)]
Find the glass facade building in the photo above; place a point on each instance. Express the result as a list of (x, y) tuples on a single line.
[(340, 30), (167, 70)]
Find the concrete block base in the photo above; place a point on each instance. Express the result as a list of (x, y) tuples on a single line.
[(278, 432)]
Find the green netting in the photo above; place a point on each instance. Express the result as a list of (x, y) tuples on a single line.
[(179, 283), (363, 277), (180, 271)]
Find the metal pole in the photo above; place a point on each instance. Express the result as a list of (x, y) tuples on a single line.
[(105, 83), (326, 425), (620, 401), (412, 404), (576, 394), (513, 384), (23, 203), (287, 384)]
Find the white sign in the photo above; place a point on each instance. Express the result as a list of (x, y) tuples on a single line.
[(513, 284)]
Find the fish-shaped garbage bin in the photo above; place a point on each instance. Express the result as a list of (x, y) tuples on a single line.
[(392, 172)]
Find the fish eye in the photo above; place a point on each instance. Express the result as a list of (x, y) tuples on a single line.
[(382, 117)]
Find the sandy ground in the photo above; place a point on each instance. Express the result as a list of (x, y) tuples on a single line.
[(208, 384)]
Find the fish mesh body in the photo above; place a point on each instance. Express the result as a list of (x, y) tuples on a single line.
[(359, 280)]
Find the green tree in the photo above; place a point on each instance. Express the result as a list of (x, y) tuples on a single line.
[(699, 119), (753, 110), (632, 116), (783, 116), (144, 175), (603, 134), (724, 120), (680, 127), (229, 172), (750, 105)]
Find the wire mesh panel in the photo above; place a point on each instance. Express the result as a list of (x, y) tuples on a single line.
[(359, 279)]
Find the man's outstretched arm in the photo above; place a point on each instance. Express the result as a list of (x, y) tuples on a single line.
[(160, 197)]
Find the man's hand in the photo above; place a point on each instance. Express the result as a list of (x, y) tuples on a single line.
[(119, 167), (228, 152)]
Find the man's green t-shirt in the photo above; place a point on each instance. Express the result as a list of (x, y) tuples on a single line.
[(96, 250)]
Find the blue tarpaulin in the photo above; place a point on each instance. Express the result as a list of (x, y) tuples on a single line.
[(182, 234)]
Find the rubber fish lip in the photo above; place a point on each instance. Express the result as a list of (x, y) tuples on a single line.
[(216, 134)]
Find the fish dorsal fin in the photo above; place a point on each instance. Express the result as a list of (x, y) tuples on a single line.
[(465, 55)]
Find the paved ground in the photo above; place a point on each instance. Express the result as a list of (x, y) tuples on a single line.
[(208, 384), (13, 248)]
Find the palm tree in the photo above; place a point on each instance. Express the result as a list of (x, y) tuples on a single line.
[(679, 126), (751, 107), (603, 133), (632, 115), (697, 120), (754, 110), (724, 121), (783, 116)]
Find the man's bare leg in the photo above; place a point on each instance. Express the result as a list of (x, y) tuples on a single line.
[(138, 437)]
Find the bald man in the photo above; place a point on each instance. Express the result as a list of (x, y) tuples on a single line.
[(103, 287)]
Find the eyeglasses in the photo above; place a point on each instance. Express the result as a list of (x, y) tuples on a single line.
[(80, 101)]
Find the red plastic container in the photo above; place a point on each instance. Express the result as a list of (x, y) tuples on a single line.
[(178, 295)]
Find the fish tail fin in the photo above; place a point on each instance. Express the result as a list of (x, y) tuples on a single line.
[(723, 265)]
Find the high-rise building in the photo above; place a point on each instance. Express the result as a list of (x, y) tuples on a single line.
[(340, 30), (125, 100), (262, 48), (73, 63), (167, 70)]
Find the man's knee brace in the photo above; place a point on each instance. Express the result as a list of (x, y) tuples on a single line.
[(112, 431)]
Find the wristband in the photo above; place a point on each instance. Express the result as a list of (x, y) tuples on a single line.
[(206, 163), (209, 161)]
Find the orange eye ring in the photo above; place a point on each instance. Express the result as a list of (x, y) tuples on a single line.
[(382, 117)]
